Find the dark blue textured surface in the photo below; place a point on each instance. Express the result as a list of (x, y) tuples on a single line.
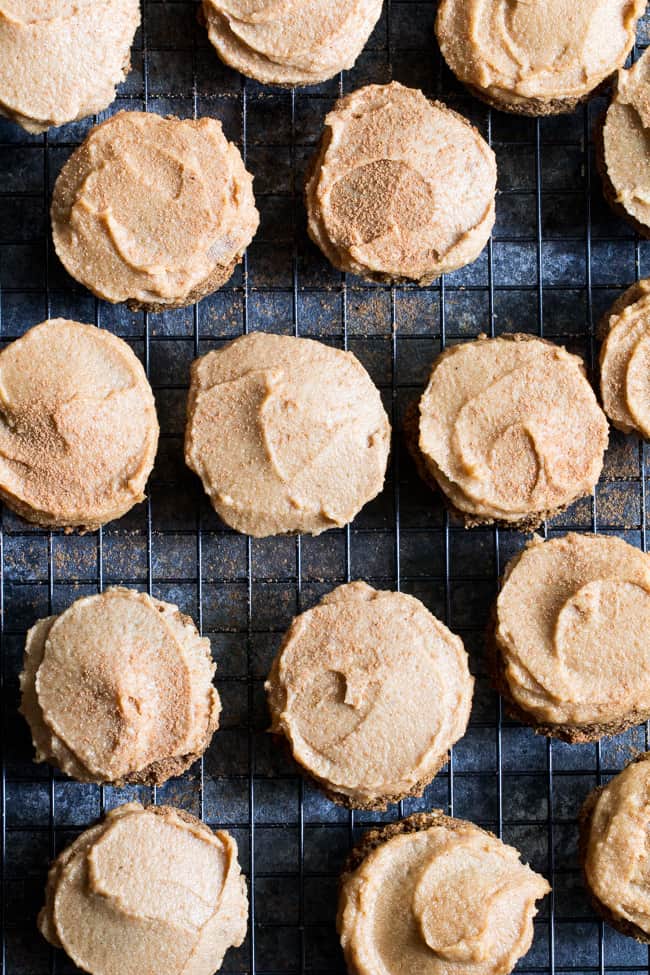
[(557, 260)]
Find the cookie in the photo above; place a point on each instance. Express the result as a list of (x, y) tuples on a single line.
[(401, 188), (61, 60), (625, 361), (509, 430), (156, 212), (146, 890), (542, 57), (614, 823), (118, 689), (287, 434), (621, 147), (371, 691), (78, 426), (290, 42), (567, 644), (433, 895)]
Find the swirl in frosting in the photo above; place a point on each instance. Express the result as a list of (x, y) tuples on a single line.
[(616, 848), (287, 434), (60, 60), (371, 691), (146, 890), (290, 42), (516, 50), (625, 361), (510, 428), (447, 899), (572, 624)]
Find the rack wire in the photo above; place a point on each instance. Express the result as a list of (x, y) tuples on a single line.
[(556, 261)]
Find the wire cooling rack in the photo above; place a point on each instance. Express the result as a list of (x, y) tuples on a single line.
[(556, 261)]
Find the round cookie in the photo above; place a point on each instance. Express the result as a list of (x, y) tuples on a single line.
[(146, 890), (542, 57), (78, 426), (61, 60), (614, 822), (371, 691), (435, 895), (287, 434), (290, 42), (153, 211), (625, 361), (567, 644), (401, 188), (118, 688), (621, 147), (509, 430)]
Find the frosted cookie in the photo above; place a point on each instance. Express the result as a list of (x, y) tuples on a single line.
[(118, 688), (568, 640), (290, 42), (371, 691), (625, 361), (153, 211), (61, 60), (146, 890), (536, 57), (401, 188), (286, 434), (436, 895), (509, 429), (621, 147), (614, 824), (78, 426)]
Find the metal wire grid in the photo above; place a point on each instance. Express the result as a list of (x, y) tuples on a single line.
[(556, 261)]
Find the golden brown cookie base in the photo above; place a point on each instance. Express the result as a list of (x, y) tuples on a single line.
[(379, 804), (220, 276), (625, 927), (572, 734), (48, 520), (416, 823), (530, 107), (609, 191)]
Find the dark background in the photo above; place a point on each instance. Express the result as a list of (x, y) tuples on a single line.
[(557, 260)]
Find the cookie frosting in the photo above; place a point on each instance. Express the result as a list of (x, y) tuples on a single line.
[(154, 211), (625, 141), (625, 361), (371, 691), (572, 620), (290, 42), (60, 60), (78, 427), (286, 434), (146, 890), (536, 49), (118, 689), (447, 899), (402, 188), (616, 856), (510, 428)]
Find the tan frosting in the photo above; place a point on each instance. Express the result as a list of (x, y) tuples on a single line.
[(402, 188), (290, 42), (60, 60), (626, 141), (448, 900), (518, 50), (147, 890), (510, 429), (118, 688), (625, 362), (371, 691), (78, 427), (572, 618), (617, 853), (149, 209), (287, 434)]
